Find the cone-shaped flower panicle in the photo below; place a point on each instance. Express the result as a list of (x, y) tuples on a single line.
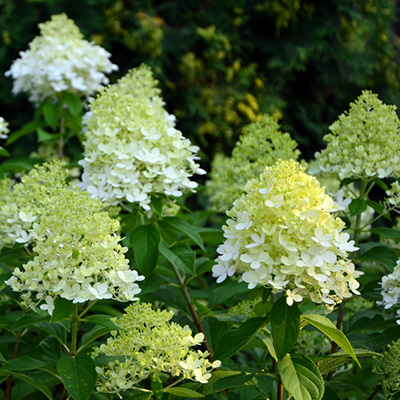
[(59, 59), (260, 145), (132, 148), (148, 343), (76, 251), (282, 234), (364, 142)]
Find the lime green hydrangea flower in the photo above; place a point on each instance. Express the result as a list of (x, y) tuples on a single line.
[(132, 148), (364, 142), (60, 60), (77, 254), (261, 145), (149, 343), (281, 233), (390, 370)]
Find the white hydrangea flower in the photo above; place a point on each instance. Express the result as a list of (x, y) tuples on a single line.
[(391, 289), (286, 237), (132, 148), (60, 60), (3, 130)]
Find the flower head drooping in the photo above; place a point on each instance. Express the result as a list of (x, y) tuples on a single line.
[(60, 60), (260, 145), (281, 233), (132, 148), (148, 343), (77, 254), (364, 142)]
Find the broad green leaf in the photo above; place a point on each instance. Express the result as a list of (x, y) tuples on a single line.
[(327, 327), (232, 341), (347, 181), (4, 152), (156, 386), (270, 346), (180, 256), (357, 206), (27, 320), (221, 380), (52, 113), (56, 330), (16, 165), (27, 128), (285, 326), (156, 204), (78, 375), (38, 385), (44, 136), (186, 228), (73, 102), (24, 363), (330, 394), (144, 241), (381, 184), (183, 392), (48, 350), (300, 377), (384, 255), (387, 233), (226, 291), (211, 236), (63, 308), (103, 320), (379, 208), (96, 332)]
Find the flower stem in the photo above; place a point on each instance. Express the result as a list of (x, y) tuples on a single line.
[(74, 332), (196, 318)]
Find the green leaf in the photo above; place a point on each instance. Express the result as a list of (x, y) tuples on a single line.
[(96, 332), (183, 392), (157, 386), (27, 128), (381, 184), (103, 320), (44, 136), (330, 394), (2, 359), (144, 241), (232, 341), (186, 228), (357, 206), (270, 346), (73, 102), (156, 204), (52, 114), (24, 363), (56, 330), (225, 292), (379, 208), (16, 165), (285, 326), (387, 233), (327, 327), (301, 378), (180, 256), (63, 308), (104, 359), (78, 375), (221, 380), (38, 385), (384, 255)]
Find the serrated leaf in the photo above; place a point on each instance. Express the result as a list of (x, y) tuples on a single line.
[(144, 241), (73, 102), (27, 128), (226, 291), (186, 228), (180, 256), (183, 392), (52, 113), (300, 377), (221, 380), (38, 385), (357, 206), (327, 327), (78, 375), (285, 326), (232, 341), (56, 330), (382, 254), (63, 308), (387, 233)]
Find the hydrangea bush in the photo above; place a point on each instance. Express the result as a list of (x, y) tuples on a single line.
[(297, 258)]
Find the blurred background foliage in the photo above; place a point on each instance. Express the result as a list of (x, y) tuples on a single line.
[(223, 63)]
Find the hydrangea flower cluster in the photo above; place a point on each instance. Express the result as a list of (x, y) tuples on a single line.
[(364, 142), (3, 129), (149, 343), (390, 370), (60, 60), (77, 255), (281, 233), (132, 148), (260, 145), (391, 289)]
